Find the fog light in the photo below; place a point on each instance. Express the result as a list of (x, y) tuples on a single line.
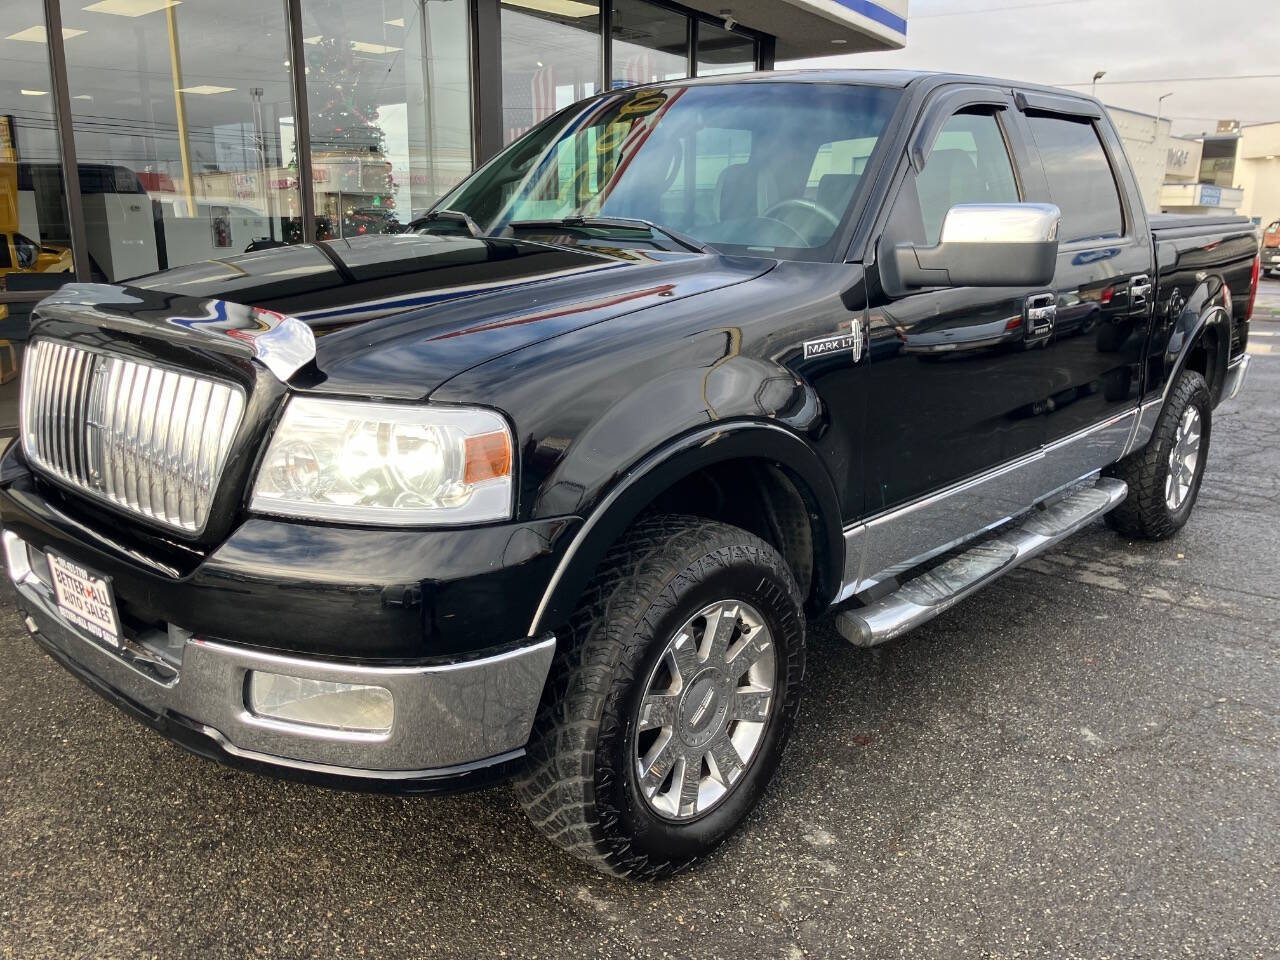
[(15, 552), (39, 561), (321, 703)]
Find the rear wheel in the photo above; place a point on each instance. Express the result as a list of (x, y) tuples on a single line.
[(1164, 476), (671, 698)]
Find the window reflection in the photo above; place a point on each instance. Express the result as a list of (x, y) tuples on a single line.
[(722, 51), (35, 235), (550, 59), (649, 43), (183, 121), (389, 95), (35, 238)]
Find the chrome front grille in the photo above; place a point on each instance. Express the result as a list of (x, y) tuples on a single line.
[(144, 437)]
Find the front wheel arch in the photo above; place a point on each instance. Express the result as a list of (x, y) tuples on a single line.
[(664, 470)]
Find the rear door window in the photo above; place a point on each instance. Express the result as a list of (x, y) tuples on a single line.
[(1081, 181)]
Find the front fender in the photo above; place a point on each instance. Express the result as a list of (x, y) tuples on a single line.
[(682, 457)]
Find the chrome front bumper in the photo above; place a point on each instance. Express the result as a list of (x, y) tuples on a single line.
[(448, 718)]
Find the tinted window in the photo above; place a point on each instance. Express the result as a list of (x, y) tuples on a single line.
[(1080, 179), (969, 163), (728, 164)]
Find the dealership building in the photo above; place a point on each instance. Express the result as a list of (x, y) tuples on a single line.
[(137, 135)]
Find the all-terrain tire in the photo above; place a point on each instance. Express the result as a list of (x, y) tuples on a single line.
[(581, 788), (1146, 513)]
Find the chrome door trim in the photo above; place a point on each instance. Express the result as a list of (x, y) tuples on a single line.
[(904, 537)]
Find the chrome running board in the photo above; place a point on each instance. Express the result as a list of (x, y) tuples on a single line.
[(924, 597)]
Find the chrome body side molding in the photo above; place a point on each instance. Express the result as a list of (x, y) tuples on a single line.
[(894, 542)]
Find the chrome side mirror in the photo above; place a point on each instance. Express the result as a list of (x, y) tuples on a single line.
[(985, 245)]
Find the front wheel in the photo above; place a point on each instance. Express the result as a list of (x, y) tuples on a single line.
[(1164, 476), (670, 700)]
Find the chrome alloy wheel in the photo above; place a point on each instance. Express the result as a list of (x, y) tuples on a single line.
[(1184, 458), (705, 706)]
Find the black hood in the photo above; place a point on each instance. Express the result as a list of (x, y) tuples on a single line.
[(397, 316)]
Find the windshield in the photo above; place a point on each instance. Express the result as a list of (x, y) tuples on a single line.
[(758, 168)]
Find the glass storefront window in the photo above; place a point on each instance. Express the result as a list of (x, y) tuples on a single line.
[(35, 236), (35, 233), (389, 98), (650, 43), (550, 59), (183, 122), (722, 51)]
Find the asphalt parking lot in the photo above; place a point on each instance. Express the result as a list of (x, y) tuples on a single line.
[(1083, 760)]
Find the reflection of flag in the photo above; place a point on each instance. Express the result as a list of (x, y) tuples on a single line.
[(637, 69), (543, 85)]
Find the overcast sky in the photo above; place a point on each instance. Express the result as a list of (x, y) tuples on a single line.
[(1173, 46)]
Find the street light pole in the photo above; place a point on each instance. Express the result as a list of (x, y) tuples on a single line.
[(1160, 112), (1096, 77)]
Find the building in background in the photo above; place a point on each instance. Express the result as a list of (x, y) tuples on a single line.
[(1235, 169), (137, 135), (1147, 142), (1213, 190), (1257, 171)]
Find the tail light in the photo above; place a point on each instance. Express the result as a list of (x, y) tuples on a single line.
[(1253, 286)]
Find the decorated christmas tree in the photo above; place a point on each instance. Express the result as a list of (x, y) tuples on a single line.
[(347, 142)]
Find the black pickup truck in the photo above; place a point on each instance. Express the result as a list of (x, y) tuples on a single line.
[(549, 487)]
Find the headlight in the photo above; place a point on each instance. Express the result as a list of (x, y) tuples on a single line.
[(386, 463)]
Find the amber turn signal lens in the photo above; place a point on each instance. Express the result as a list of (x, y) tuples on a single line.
[(488, 457)]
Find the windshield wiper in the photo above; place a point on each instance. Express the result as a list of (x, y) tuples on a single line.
[(447, 216), (614, 223)]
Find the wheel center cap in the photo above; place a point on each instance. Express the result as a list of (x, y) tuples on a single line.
[(703, 708)]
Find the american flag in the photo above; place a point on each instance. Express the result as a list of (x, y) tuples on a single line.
[(634, 70)]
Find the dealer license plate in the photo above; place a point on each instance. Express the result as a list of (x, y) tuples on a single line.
[(85, 599)]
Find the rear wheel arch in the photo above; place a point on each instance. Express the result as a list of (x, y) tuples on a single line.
[(1202, 333), (799, 512)]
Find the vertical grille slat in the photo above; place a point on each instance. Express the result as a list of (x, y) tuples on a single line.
[(150, 439), (115, 433), (162, 426), (41, 405), (191, 452), (59, 417), (173, 447), (79, 395), (132, 417)]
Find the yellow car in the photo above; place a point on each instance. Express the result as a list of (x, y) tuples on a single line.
[(20, 254)]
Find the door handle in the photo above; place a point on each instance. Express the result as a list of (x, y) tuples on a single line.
[(1042, 311), (1139, 291)]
